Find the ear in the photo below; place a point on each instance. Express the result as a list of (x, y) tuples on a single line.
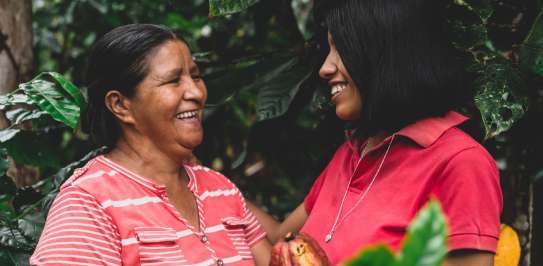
[(119, 106)]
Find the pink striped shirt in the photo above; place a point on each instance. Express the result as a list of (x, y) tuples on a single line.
[(107, 215)]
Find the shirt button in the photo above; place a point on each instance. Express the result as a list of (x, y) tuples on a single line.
[(220, 262), (203, 238)]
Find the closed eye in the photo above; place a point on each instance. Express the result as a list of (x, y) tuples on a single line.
[(173, 81)]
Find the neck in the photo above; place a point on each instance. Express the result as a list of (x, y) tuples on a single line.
[(376, 139), (148, 161)]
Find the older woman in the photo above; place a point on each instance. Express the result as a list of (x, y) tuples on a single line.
[(141, 203), (394, 74)]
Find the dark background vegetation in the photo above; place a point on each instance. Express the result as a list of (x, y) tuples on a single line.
[(268, 124)]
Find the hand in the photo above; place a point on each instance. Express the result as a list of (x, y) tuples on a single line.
[(298, 250)]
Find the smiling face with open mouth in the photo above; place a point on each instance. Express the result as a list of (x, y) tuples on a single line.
[(344, 93), (168, 104)]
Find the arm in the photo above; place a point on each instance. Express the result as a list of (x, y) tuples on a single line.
[(77, 232), (261, 251), (274, 229), (469, 258)]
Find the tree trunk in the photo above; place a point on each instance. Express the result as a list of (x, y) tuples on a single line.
[(16, 64), (16, 57)]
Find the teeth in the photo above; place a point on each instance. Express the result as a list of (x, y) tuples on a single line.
[(338, 88), (186, 115)]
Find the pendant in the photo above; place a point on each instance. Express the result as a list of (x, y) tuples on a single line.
[(328, 238)]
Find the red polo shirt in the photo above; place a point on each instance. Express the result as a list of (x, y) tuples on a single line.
[(428, 158)]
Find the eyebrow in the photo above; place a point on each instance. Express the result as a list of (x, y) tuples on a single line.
[(172, 73)]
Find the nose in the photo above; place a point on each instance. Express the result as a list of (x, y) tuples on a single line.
[(196, 91), (328, 68)]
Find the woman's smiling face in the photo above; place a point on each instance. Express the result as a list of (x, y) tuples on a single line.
[(345, 95), (168, 104)]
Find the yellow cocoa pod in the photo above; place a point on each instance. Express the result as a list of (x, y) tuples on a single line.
[(508, 251)]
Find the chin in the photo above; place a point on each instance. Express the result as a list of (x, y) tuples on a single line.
[(346, 115)]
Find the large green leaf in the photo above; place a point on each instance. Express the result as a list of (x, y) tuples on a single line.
[(60, 98), (374, 256), (225, 7), (225, 84), (275, 95), (531, 52), (496, 98), (10, 257), (469, 23), (31, 226), (12, 99), (425, 244), (277, 81), (8, 134), (32, 148), (21, 115)]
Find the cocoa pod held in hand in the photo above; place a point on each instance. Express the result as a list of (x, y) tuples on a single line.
[(298, 250)]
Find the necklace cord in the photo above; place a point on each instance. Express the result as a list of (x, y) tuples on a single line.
[(336, 224)]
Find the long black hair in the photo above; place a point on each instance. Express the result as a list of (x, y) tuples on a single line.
[(400, 56), (118, 61)]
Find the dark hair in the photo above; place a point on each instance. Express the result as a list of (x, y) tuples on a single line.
[(400, 57), (118, 61)]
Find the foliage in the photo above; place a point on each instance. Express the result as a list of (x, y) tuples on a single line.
[(424, 245), (226, 7), (268, 123)]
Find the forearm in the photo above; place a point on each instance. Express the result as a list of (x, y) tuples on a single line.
[(274, 229), (469, 258)]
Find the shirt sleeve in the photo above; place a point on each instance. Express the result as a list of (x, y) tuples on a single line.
[(311, 197), (470, 193), (77, 232), (253, 231)]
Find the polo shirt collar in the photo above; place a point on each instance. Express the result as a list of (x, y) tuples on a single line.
[(426, 131), (423, 132), (155, 187)]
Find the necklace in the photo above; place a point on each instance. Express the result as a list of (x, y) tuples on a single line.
[(338, 222)]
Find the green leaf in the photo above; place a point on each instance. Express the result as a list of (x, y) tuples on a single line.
[(31, 225), (30, 148), (21, 115), (13, 258), (62, 102), (374, 256), (225, 84), (495, 98), (13, 239), (67, 85), (425, 243), (531, 52), (226, 7), (12, 99), (8, 134), (276, 94)]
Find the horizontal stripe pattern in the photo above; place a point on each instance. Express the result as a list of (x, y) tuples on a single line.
[(107, 215)]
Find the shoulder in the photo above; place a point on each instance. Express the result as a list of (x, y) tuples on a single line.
[(209, 179), (457, 147), (97, 179)]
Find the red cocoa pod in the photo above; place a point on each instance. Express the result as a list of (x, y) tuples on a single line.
[(298, 250), (276, 254)]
